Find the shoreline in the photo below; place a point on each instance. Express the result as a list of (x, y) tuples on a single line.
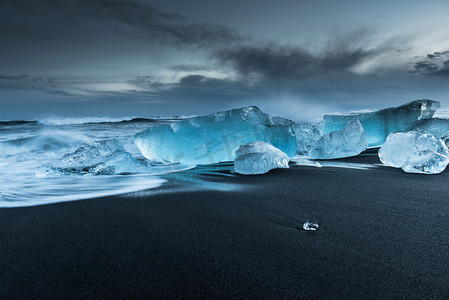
[(212, 233)]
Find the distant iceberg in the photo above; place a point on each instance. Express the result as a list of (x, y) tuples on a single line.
[(349, 141), (259, 158), (214, 138), (415, 152), (379, 124)]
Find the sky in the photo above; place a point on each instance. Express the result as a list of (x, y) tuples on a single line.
[(298, 59)]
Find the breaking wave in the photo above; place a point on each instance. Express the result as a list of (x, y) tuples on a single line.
[(49, 161), (89, 120)]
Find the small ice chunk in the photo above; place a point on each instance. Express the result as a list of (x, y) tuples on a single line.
[(415, 152), (92, 154), (259, 158), (350, 141), (310, 226), (379, 124), (105, 157)]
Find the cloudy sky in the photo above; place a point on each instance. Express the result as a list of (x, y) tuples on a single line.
[(295, 58)]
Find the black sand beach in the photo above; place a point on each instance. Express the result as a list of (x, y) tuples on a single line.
[(383, 234)]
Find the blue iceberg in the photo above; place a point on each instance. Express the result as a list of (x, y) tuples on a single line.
[(350, 141), (259, 158), (438, 127), (307, 134), (105, 157), (379, 124), (214, 138), (415, 152)]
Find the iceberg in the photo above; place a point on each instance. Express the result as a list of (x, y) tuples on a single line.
[(106, 157), (415, 152), (259, 158), (350, 141), (93, 154), (307, 134), (438, 127), (379, 124), (213, 138)]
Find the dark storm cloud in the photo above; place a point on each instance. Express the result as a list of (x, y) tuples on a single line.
[(93, 51), (194, 84), (143, 20), (189, 68), (27, 81), (32, 85), (279, 62), (436, 64)]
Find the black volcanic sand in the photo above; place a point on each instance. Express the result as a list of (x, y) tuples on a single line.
[(208, 233)]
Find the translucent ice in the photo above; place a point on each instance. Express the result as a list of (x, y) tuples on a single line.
[(259, 158), (310, 226), (92, 154), (379, 124), (101, 158), (350, 141), (415, 152), (213, 138), (307, 134), (437, 127)]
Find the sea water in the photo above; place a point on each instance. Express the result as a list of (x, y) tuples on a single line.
[(27, 145)]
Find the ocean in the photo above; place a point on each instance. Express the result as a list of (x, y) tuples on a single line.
[(28, 147)]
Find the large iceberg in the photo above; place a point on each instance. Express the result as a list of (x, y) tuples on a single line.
[(259, 158), (415, 152), (350, 141), (105, 157), (379, 124), (213, 138)]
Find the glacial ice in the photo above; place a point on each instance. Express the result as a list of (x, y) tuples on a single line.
[(310, 226), (259, 158), (92, 154), (437, 127), (213, 138), (106, 157), (415, 152), (349, 141), (379, 124), (307, 134)]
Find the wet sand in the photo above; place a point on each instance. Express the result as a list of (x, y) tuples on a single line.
[(210, 233)]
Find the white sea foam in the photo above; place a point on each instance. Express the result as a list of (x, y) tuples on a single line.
[(77, 121), (25, 148)]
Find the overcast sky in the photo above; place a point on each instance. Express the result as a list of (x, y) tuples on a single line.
[(298, 59)]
